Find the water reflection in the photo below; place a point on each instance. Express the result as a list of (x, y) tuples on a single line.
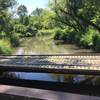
[(78, 84), (62, 78), (46, 46)]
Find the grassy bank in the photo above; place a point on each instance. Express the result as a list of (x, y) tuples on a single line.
[(5, 47)]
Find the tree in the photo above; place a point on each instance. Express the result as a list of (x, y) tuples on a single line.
[(47, 19), (5, 4), (78, 14), (22, 12), (5, 15), (36, 15), (37, 12)]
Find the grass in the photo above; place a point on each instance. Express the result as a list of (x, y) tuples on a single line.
[(5, 47)]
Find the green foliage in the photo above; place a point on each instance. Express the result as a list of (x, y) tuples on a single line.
[(2, 34), (67, 35), (81, 15), (28, 34), (77, 14), (20, 28), (26, 21), (37, 12), (14, 39), (23, 30), (96, 43), (32, 29), (43, 19), (77, 38), (48, 21), (49, 32), (22, 10), (58, 34), (35, 22), (5, 48), (87, 39), (5, 4)]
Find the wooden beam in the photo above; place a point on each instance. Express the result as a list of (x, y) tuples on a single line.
[(13, 68)]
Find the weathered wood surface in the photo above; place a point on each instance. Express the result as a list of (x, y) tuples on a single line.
[(20, 93), (72, 64)]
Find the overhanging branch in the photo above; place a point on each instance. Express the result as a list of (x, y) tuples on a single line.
[(82, 19)]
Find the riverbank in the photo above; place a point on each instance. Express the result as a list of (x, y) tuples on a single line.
[(41, 45), (46, 45)]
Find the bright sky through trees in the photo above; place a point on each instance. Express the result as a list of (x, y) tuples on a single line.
[(33, 4)]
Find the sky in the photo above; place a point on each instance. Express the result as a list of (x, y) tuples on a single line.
[(33, 4)]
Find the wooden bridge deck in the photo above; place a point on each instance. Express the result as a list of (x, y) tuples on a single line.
[(71, 64)]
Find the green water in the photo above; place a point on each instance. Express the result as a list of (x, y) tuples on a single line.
[(46, 46)]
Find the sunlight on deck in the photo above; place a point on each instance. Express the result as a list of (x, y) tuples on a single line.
[(53, 61)]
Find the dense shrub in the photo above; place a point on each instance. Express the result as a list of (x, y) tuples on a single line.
[(46, 32), (28, 34), (77, 38), (2, 34), (14, 39), (59, 34), (19, 28), (87, 40), (96, 43), (67, 35), (31, 31), (25, 31), (5, 47), (90, 39)]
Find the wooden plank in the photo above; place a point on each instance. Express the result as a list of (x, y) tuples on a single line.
[(19, 93), (76, 54), (69, 64), (60, 70)]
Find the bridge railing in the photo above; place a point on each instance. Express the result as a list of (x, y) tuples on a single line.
[(52, 63)]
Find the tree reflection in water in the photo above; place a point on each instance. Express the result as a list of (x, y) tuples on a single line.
[(63, 78), (77, 79), (9, 75), (72, 79)]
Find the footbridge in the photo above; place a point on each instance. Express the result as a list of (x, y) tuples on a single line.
[(88, 64)]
